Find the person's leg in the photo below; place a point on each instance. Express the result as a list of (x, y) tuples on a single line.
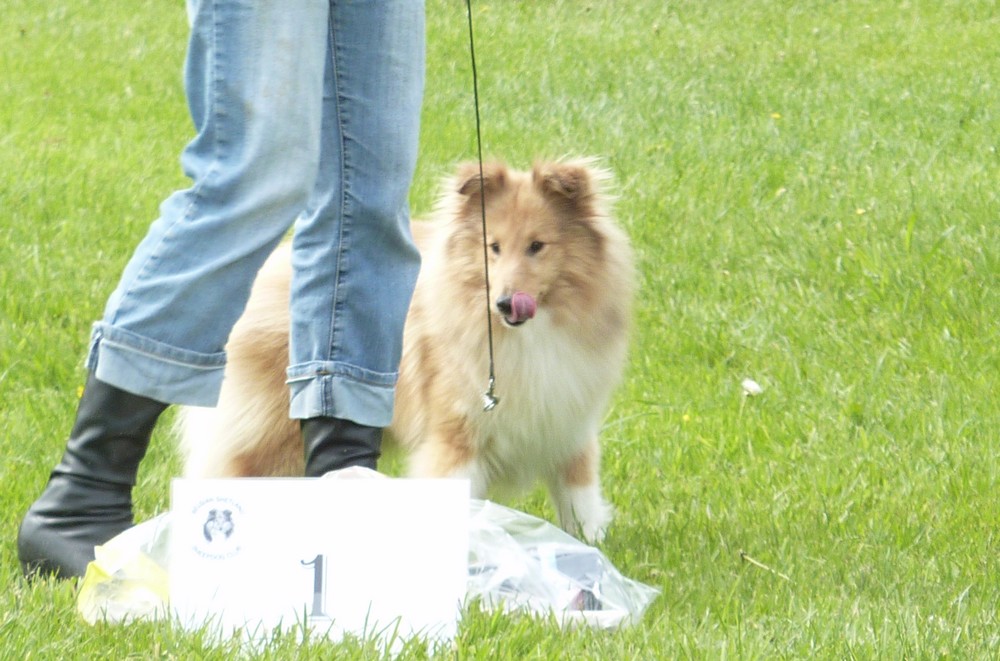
[(354, 259), (254, 81)]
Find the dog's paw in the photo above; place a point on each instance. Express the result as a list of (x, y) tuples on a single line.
[(585, 514), (594, 530)]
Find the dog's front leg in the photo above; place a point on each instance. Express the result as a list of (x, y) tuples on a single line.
[(576, 494), (447, 452)]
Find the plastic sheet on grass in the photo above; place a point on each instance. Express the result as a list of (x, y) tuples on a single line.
[(517, 562)]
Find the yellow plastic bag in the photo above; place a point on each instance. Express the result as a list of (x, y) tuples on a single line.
[(127, 580)]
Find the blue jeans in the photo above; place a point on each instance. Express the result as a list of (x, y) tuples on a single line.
[(307, 114)]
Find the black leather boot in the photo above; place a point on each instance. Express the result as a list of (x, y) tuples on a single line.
[(88, 499), (333, 443)]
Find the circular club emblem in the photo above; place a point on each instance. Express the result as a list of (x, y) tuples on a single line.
[(219, 535)]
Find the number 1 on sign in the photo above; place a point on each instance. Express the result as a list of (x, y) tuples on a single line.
[(319, 584)]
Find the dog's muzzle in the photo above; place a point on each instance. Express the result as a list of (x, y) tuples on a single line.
[(517, 308)]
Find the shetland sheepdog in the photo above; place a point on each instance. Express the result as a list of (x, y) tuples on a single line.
[(561, 282)]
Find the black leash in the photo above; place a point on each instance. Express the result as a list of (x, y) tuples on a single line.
[(490, 400)]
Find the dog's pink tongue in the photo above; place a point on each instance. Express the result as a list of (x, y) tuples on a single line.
[(523, 306)]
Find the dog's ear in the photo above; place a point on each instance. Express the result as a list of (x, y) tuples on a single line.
[(468, 181), (572, 182)]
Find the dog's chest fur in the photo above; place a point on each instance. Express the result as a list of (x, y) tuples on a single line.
[(552, 395)]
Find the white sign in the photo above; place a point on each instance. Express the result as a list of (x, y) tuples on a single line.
[(384, 558)]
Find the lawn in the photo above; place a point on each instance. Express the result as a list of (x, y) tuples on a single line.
[(813, 192)]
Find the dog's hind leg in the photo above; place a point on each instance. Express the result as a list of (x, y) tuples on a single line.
[(258, 441)]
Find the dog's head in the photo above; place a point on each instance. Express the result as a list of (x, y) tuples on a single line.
[(542, 239)]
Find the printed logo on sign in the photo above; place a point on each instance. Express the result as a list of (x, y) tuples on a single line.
[(220, 534)]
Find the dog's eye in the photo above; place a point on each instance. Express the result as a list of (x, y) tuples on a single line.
[(535, 247), (495, 247)]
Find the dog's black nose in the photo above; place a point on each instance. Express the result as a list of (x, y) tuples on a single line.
[(505, 304)]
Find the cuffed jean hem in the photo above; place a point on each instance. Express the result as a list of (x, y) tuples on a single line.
[(152, 369), (341, 391)]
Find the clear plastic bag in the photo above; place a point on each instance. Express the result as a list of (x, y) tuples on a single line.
[(522, 563), (516, 561)]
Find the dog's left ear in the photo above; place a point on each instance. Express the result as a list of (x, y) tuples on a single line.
[(572, 182)]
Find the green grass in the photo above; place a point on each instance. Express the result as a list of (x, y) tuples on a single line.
[(813, 190)]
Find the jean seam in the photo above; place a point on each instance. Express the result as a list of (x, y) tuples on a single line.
[(325, 371), (343, 251), (157, 357)]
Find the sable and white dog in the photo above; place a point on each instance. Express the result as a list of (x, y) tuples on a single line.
[(561, 278)]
